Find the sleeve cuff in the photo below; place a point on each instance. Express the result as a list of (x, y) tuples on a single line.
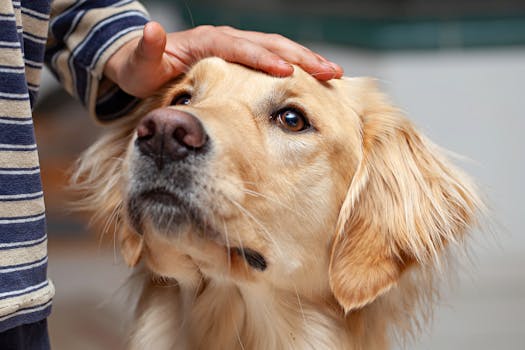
[(104, 99)]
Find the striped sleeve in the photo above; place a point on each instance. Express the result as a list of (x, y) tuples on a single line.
[(25, 291), (83, 35)]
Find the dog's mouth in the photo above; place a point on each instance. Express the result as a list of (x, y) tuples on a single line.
[(166, 210), (162, 197)]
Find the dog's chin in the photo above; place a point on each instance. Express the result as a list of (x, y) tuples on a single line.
[(167, 213)]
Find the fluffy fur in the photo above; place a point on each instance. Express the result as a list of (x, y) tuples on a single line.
[(355, 216)]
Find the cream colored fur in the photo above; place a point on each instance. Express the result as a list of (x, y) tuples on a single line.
[(355, 218)]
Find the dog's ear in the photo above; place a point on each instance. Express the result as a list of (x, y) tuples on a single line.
[(405, 203), (131, 246)]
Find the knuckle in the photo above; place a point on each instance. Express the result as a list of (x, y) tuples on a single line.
[(277, 37), (225, 28), (204, 29), (240, 43)]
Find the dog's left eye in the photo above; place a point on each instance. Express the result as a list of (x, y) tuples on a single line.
[(182, 99), (291, 119)]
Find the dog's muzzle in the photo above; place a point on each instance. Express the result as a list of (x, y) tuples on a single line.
[(177, 143), (171, 149)]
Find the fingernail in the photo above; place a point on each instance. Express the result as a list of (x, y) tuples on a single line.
[(338, 69), (328, 66), (321, 58), (335, 65), (284, 63)]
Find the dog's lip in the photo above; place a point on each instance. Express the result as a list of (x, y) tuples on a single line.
[(161, 196), (255, 259)]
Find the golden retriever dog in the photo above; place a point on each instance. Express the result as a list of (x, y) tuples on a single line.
[(276, 213)]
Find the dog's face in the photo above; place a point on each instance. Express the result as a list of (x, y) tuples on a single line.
[(254, 165), (301, 185)]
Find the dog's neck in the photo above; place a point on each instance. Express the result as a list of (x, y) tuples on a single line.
[(224, 315), (260, 318), (204, 307)]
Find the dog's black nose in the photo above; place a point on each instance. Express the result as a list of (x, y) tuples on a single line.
[(167, 133)]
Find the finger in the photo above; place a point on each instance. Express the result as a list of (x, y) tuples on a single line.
[(151, 46), (290, 51), (339, 72), (250, 54)]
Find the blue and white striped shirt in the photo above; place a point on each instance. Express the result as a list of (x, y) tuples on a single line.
[(82, 35)]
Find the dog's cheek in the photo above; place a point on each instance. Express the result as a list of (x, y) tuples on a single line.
[(292, 150)]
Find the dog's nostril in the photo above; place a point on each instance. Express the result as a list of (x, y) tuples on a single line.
[(179, 134), (146, 131)]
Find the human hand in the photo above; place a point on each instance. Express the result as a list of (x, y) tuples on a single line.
[(144, 64)]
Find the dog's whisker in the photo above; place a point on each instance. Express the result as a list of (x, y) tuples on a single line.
[(275, 201), (299, 302), (249, 215), (228, 255), (254, 193), (112, 218), (116, 231), (244, 182), (268, 198), (236, 326), (264, 196), (109, 220), (241, 247), (198, 287)]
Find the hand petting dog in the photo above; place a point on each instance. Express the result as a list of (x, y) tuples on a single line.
[(144, 64)]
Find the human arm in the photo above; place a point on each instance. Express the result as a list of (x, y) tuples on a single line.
[(104, 53), (82, 37), (144, 64)]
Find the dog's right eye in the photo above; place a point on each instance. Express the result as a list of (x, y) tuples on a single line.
[(291, 119), (181, 100)]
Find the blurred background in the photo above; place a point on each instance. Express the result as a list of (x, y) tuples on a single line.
[(458, 70)]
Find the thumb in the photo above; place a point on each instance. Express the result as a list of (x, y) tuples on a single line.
[(151, 46)]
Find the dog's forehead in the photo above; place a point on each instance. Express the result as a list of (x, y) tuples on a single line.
[(217, 75), (328, 105)]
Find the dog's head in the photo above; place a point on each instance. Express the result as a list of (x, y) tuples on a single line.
[(315, 187)]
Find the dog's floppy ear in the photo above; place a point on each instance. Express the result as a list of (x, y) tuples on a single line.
[(404, 204)]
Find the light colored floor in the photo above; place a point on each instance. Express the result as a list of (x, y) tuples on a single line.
[(89, 306)]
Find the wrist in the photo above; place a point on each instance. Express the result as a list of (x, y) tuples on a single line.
[(110, 69)]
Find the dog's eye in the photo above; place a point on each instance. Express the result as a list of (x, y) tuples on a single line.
[(181, 100), (292, 120)]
